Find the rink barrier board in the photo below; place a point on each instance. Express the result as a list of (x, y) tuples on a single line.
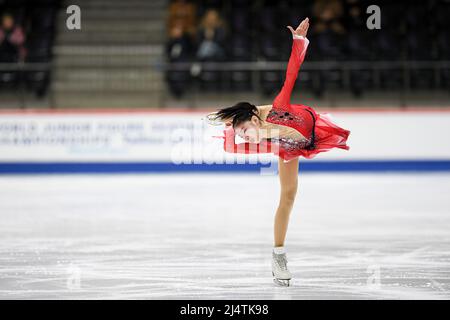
[(167, 167), (439, 163)]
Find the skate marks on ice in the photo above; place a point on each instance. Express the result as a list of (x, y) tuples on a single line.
[(204, 237)]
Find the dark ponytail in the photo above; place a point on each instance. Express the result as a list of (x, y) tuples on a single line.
[(240, 112)]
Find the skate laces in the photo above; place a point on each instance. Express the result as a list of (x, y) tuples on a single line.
[(281, 261)]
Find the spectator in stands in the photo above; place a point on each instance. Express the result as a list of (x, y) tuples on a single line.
[(179, 49), (179, 46), (328, 32), (182, 14), (12, 40), (211, 37), (353, 14), (358, 45), (328, 15)]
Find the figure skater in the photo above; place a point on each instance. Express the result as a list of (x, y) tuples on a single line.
[(287, 130)]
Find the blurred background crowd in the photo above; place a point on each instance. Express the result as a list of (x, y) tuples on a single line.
[(26, 36), (240, 30), (158, 53)]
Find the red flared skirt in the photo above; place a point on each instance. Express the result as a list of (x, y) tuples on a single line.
[(328, 135)]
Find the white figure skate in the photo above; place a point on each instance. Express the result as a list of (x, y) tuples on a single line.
[(280, 272)]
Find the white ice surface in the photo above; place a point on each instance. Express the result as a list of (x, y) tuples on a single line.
[(209, 236)]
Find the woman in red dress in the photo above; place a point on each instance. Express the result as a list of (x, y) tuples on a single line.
[(287, 130)]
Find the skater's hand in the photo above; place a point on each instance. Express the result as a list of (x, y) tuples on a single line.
[(301, 30)]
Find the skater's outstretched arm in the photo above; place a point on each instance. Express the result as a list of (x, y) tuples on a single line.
[(298, 52)]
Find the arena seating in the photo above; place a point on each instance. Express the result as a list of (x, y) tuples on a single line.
[(256, 31), (37, 20)]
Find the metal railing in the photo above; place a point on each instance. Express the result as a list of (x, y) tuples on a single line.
[(401, 78), (405, 68), (18, 88)]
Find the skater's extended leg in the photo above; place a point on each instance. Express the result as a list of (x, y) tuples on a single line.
[(288, 173)]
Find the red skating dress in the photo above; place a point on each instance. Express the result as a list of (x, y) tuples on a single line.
[(322, 134)]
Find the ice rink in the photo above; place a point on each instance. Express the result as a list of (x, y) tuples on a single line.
[(209, 236)]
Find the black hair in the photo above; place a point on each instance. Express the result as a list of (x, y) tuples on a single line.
[(240, 112)]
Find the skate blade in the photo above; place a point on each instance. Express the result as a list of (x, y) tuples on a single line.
[(282, 283)]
